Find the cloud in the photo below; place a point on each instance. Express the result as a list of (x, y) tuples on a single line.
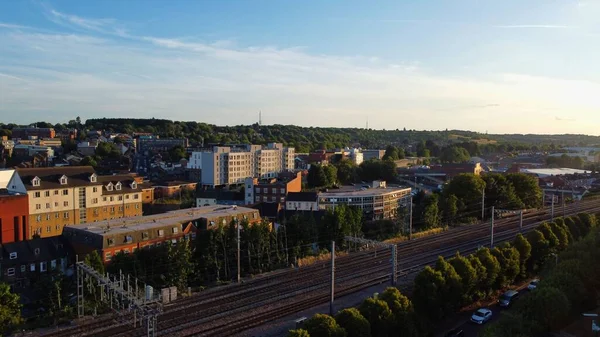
[(564, 119), (12, 26), (226, 83), (11, 77)]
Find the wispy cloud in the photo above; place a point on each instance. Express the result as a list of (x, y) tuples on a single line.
[(11, 77), (12, 26), (536, 26), (216, 82), (564, 119)]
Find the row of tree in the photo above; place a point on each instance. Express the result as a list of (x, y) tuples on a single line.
[(382, 315), (566, 290), (443, 289), (346, 172)]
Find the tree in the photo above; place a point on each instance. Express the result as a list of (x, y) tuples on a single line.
[(10, 309), (450, 208), (468, 276), (88, 161), (391, 153), (549, 235), (177, 152), (540, 248), (428, 292), (317, 176), (492, 268), (562, 235), (298, 333), (402, 310), (526, 188), (321, 325), (331, 173), (499, 192), (546, 308), (468, 189), (509, 260), (431, 213), (573, 228), (355, 324), (94, 260), (110, 150), (378, 314), (524, 248), (454, 154), (452, 291), (346, 171)]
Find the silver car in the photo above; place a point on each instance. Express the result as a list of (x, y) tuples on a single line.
[(481, 316)]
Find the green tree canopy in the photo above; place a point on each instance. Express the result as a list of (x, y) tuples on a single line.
[(298, 333), (526, 188), (454, 154), (355, 324), (378, 314), (428, 292), (317, 177), (321, 325), (10, 309)]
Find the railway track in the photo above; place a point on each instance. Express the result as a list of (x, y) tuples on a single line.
[(225, 310)]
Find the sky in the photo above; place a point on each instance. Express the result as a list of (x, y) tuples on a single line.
[(488, 66)]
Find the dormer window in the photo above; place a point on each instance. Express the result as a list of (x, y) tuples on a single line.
[(93, 178), (118, 186), (109, 187), (35, 181), (110, 241), (133, 185), (63, 180)]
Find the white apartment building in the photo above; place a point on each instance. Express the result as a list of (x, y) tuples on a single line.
[(231, 165)]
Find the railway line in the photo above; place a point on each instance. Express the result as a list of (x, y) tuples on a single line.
[(229, 309)]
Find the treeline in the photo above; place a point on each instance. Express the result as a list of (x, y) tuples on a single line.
[(567, 288), (566, 161), (306, 139), (442, 290)]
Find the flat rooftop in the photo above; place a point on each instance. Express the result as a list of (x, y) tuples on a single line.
[(554, 171), (359, 191), (172, 218)]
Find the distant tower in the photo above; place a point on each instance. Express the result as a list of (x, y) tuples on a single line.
[(367, 122), (259, 117)]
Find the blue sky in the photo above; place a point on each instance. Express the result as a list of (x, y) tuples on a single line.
[(498, 66)]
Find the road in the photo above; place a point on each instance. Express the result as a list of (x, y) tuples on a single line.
[(472, 329)]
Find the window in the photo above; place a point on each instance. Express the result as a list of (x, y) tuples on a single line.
[(23, 268), (118, 186), (93, 178), (53, 264), (56, 204), (126, 251), (57, 215), (112, 209), (48, 229), (38, 206), (95, 189), (10, 272), (109, 187), (120, 208), (133, 185), (112, 198), (136, 196), (104, 199), (47, 205), (175, 230), (43, 266), (36, 251), (57, 227), (32, 267), (35, 181), (120, 198), (107, 256), (128, 239), (94, 200), (13, 256), (144, 235), (65, 192), (47, 193), (66, 215), (127, 197), (55, 192), (65, 203), (137, 206), (38, 218), (282, 191), (63, 180), (161, 232), (110, 241)]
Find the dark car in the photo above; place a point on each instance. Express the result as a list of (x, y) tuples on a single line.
[(508, 298), (455, 333)]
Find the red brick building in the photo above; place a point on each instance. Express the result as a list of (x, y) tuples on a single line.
[(14, 214)]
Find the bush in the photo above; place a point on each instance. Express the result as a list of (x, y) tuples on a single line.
[(321, 325), (355, 324)]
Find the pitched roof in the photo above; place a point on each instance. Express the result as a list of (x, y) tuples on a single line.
[(50, 176), (302, 196)]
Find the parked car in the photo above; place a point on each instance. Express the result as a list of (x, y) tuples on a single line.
[(533, 284), (508, 298), (481, 316), (455, 333)]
